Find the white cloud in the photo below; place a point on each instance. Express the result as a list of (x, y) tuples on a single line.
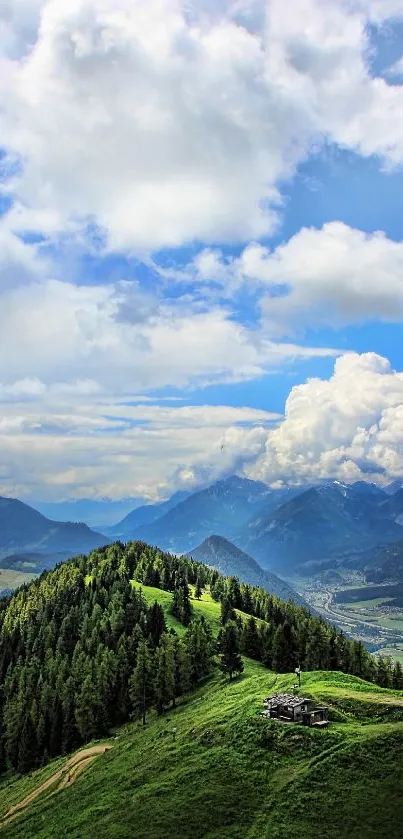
[(19, 262), (76, 365), (100, 452), (165, 123), (347, 427), (395, 69), (120, 341), (334, 276)]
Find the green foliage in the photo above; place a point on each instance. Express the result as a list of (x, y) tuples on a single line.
[(142, 689), (228, 644), (229, 774), (71, 643)]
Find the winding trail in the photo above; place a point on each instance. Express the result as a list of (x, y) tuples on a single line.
[(61, 779)]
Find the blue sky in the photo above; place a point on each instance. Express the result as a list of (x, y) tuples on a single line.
[(201, 243)]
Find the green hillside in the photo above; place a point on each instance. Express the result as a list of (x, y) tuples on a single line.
[(228, 773), (206, 606)]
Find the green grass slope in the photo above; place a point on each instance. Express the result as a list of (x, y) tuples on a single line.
[(229, 774), (205, 606)]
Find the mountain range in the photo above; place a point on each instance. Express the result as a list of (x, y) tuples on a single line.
[(321, 524), (292, 532), (144, 515), (220, 508), (28, 537)]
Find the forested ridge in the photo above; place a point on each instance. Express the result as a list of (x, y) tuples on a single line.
[(81, 651)]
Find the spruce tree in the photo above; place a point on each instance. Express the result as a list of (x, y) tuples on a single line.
[(165, 673), (86, 710), (230, 659), (142, 681), (182, 667), (284, 649), (200, 649), (227, 611), (186, 604), (198, 588), (397, 677), (156, 625), (27, 751), (251, 640)]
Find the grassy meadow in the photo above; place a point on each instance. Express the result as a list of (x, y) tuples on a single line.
[(226, 773)]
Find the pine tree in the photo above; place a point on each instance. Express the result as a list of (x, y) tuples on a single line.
[(227, 612), (397, 678), (182, 667), (250, 640), (156, 625), (200, 648), (142, 682), (86, 709), (165, 673), (284, 649), (230, 660), (198, 588)]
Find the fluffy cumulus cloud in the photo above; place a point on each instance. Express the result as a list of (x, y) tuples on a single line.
[(163, 122), (118, 450), (117, 339), (129, 126), (77, 372), (346, 427), (332, 276)]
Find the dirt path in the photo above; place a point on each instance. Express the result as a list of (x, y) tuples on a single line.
[(60, 780)]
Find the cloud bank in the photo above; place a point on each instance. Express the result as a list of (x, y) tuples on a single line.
[(348, 427), (162, 122), (133, 126)]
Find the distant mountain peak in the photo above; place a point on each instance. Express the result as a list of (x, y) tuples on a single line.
[(23, 530), (219, 553)]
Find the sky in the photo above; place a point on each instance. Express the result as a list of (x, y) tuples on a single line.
[(201, 244)]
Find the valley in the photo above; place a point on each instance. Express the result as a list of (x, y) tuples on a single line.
[(11, 579), (375, 620)]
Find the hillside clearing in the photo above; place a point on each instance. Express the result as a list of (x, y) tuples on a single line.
[(60, 779), (229, 774)]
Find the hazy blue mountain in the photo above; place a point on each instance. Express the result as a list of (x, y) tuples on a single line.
[(219, 553), (97, 513), (323, 522), (34, 562), (394, 486), (24, 530), (220, 508), (144, 515), (393, 506), (385, 565), (367, 489)]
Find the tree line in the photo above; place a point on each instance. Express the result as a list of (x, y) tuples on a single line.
[(81, 650)]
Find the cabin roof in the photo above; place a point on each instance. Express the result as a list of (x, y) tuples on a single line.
[(287, 699)]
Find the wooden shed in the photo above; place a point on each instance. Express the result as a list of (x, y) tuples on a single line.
[(290, 708)]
